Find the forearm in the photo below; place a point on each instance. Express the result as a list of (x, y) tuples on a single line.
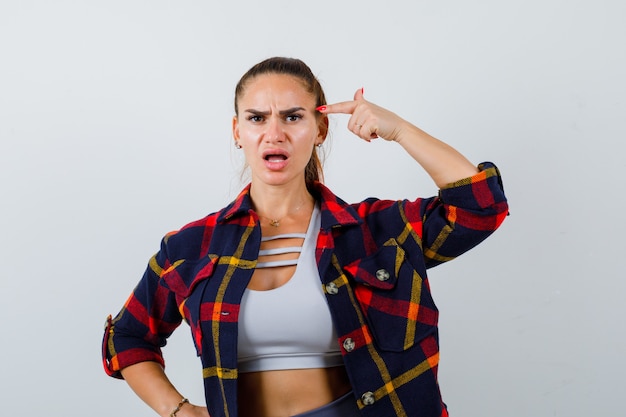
[(149, 382), (442, 162), (368, 121)]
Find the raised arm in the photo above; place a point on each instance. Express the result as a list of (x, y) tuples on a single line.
[(368, 121)]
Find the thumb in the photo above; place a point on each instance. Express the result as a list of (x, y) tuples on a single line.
[(358, 95)]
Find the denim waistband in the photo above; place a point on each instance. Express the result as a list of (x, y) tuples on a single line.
[(344, 406)]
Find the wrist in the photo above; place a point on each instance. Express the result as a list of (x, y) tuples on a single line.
[(184, 402), (190, 410), (405, 131)]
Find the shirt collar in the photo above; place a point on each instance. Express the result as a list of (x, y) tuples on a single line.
[(335, 212)]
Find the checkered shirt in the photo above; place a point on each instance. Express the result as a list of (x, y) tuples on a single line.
[(372, 258)]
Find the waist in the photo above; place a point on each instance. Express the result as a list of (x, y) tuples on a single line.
[(289, 392)]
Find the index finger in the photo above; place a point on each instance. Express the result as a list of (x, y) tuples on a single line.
[(344, 107)]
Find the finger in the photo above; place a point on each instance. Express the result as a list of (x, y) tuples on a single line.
[(364, 131), (345, 107), (358, 95)]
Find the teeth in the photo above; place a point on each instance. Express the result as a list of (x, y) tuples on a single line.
[(276, 158)]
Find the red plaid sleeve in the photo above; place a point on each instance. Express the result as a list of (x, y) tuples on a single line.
[(464, 214), (148, 317)]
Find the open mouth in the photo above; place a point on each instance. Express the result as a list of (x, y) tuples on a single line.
[(275, 157)]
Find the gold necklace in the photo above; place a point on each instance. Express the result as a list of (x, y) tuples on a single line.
[(276, 222)]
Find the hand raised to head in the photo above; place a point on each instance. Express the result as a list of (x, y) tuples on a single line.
[(368, 121)]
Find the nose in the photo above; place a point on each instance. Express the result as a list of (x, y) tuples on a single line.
[(274, 132)]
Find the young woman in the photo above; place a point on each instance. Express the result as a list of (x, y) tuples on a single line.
[(299, 303)]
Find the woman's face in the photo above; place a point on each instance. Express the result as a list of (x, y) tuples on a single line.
[(277, 127)]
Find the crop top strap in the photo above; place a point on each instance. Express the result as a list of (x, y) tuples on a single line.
[(284, 236), (267, 253), (280, 251)]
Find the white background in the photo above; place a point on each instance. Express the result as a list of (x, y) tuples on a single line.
[(115, 129)]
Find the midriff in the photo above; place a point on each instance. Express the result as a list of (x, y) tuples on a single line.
[(289, 392)]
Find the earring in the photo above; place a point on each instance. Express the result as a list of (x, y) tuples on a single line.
[(319, 145), (237, 145)]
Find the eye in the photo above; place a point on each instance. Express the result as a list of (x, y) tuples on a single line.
[(255, 118), (293, 117)]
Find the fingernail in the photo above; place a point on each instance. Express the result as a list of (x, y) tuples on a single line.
[(321, 108), (362, 90)]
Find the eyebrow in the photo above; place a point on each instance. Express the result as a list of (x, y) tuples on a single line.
[(281, 112)]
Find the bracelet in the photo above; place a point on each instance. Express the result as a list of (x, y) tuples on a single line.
[(177, 409)]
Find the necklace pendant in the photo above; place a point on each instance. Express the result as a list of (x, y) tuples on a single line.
[(274, 222)]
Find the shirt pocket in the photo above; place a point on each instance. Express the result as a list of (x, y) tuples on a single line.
[(187, 280), (394, 298), (184, 275)]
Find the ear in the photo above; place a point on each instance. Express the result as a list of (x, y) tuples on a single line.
[(235, 129), (322, 129)]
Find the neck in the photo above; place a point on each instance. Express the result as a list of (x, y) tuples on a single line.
[(277, 202)]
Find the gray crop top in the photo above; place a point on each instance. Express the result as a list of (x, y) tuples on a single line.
[(289, 327)]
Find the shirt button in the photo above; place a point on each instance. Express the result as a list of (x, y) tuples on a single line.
[(331, 288), (368, 398), (349, 344), (382, 275)]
